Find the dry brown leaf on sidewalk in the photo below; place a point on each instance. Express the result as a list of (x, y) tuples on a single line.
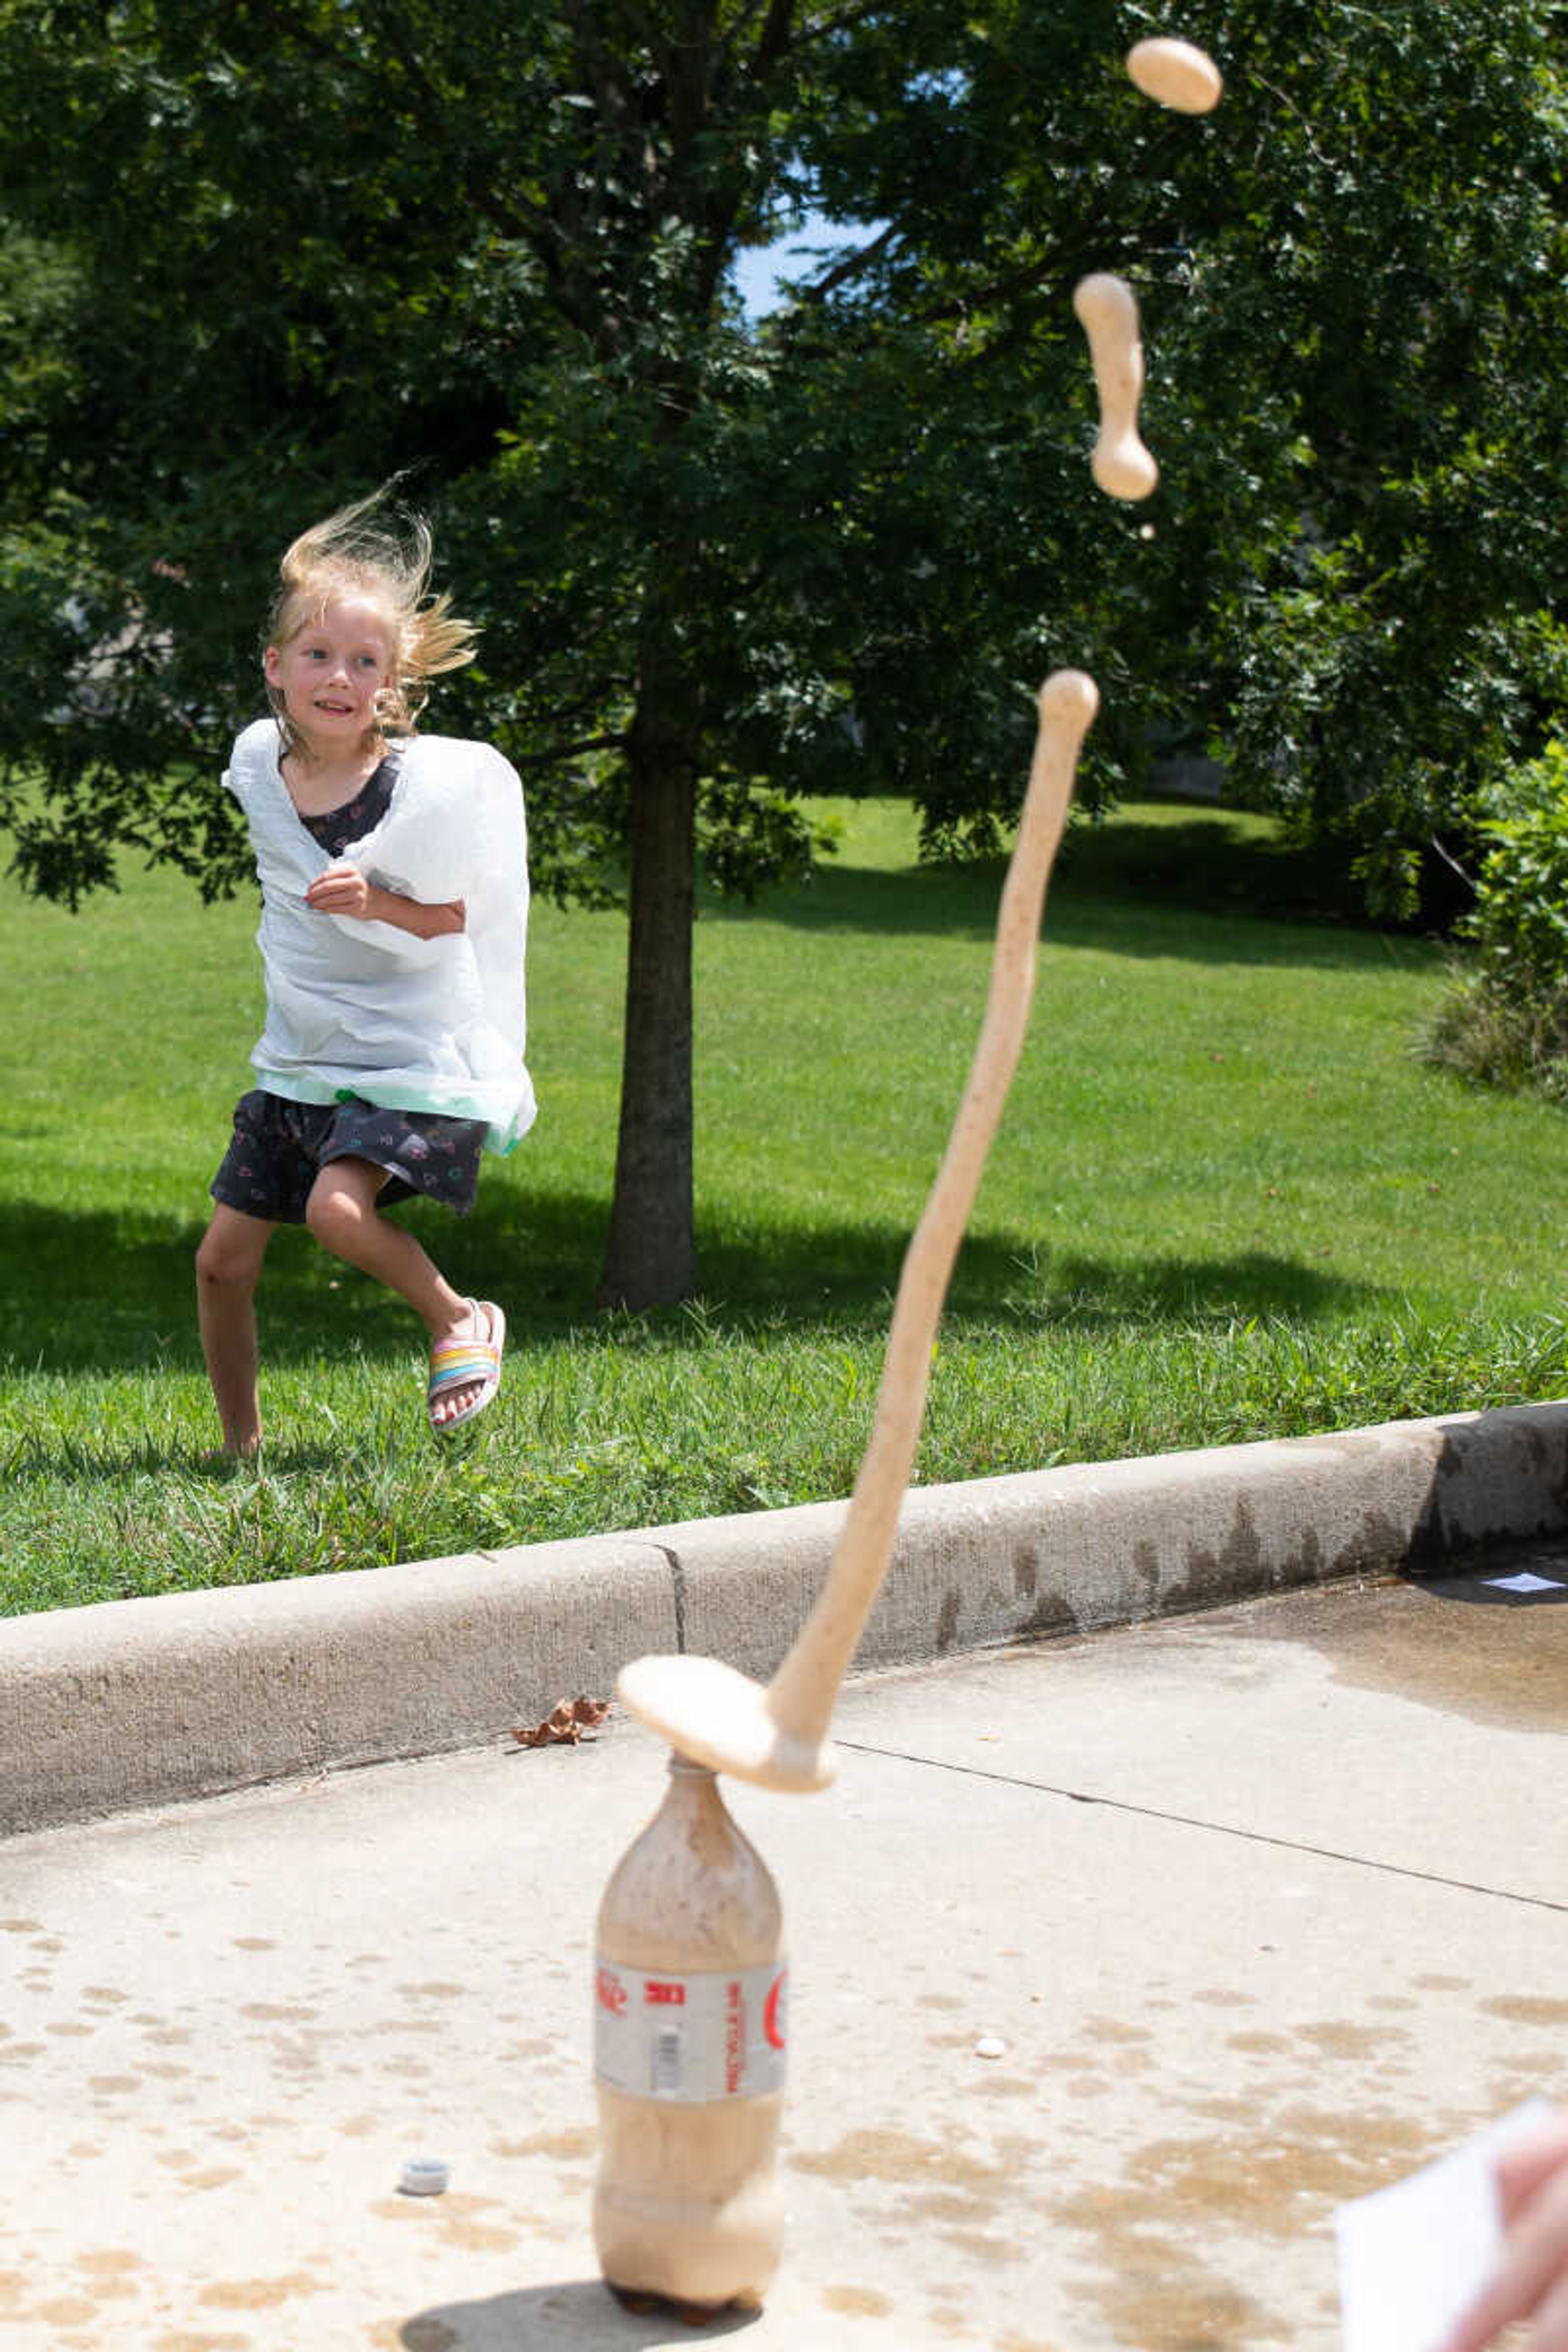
[(570, 1720)]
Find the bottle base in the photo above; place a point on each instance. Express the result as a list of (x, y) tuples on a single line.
[(642, 2302)]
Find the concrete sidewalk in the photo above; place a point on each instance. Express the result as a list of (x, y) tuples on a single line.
[(1265, 1906), (141, 1702)]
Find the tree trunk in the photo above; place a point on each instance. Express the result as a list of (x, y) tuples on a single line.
[(650, 1260)]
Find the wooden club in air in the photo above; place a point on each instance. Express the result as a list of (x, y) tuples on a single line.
[(777, 1736)]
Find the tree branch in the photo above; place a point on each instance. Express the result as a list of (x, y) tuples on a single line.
[(554, 751), (852, 263)]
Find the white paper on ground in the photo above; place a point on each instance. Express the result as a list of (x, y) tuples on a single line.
[(1414, 2255), (1525, 1581)]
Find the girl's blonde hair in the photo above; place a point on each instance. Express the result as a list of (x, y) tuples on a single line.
[(355, 553)]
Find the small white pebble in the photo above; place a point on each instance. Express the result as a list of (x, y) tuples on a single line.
[(989, 2047), (424, 2176)]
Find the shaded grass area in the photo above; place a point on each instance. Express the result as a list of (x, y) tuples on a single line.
[(1228, 1202)]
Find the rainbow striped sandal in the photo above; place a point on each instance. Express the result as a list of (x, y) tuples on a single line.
[(462, 1364)]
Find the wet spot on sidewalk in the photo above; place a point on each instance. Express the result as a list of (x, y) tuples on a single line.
[(425, 2336), (64, 2310), (577, 2140), (1278, 2177), (108, 2274), (858, 2302), (899, 2156), (258, 2294), (1157, 2294), (1525, 2008), (459, 2219), (1496, 1666), (1334, 2039)]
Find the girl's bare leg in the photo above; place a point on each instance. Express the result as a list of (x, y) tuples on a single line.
[(228, 1264), (342, 1215)]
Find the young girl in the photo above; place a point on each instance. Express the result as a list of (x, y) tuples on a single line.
[(395, 902)]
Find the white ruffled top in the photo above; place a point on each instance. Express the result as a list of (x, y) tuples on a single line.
[(365, 1009)]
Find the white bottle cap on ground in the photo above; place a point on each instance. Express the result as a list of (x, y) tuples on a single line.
[(424, 2176)]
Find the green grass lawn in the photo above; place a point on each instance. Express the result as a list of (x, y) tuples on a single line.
[(1227, 1201)]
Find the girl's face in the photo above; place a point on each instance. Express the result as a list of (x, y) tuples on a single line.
[(330, 671)]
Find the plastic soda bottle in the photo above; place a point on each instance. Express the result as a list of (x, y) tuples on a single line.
[(688, 2057)]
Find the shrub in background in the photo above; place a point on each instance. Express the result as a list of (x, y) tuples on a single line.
[(1505, 1021)]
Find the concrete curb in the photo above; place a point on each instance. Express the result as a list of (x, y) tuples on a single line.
[(139, 1703)]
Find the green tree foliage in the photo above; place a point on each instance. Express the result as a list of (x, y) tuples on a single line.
[(274, 256), (1504, 1021), (1521, 918)]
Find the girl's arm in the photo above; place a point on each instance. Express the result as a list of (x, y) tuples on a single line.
[(343, 891)]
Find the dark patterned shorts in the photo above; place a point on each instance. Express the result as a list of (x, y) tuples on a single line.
[(279, 1148)]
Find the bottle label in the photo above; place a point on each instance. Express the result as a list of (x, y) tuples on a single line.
[(715, 2033)]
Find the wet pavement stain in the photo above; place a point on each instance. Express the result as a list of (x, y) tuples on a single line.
[(1525, 2008), (1160, 2294), (109, 2271), (1333, 2038), (64, 2310), (1500, 1666), (258, 2294), (899, 2156), (576, 2140), (858, 2302), (1281, 2176)]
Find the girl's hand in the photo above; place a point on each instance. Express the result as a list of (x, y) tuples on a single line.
[(341, 890), (1531, 2280)]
